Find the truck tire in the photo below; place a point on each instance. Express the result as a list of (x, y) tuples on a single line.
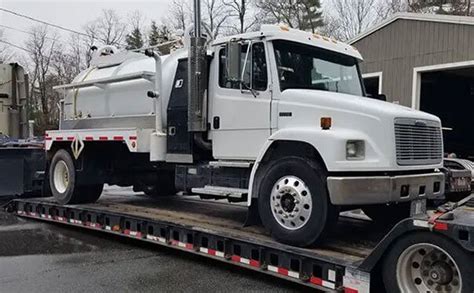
[(91, 193), (386, 215), (62, 181), (428, 262), (293, 202)]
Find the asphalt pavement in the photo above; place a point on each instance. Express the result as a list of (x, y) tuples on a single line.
[(44, 257)]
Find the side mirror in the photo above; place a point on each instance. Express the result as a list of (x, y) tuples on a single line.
[(233, 51)]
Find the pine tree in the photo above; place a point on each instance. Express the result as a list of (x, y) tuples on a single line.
[(154, 35), (134, 39), (300, 14), (455, 7)]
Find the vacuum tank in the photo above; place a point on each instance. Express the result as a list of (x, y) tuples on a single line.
[(114, 91)]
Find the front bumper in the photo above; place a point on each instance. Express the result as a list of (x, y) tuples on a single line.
[(384, 189)]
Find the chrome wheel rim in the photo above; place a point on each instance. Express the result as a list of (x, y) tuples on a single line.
[(61, 176), (291, 203), (426, 268)]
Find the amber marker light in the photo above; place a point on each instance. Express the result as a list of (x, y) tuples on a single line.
[(326, 123)]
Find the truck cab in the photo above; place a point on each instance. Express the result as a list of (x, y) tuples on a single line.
[(277, 118)]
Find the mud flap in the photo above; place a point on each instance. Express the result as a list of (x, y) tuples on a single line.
[(253, 217)]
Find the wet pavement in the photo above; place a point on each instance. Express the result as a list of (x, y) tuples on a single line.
[(42, 257)]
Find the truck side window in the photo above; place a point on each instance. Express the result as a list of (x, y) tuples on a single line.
[(255, 75)]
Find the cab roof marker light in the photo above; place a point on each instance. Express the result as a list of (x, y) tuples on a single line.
[(316, 36), (284, 28)]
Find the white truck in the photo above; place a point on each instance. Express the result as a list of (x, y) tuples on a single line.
[(276, 118)]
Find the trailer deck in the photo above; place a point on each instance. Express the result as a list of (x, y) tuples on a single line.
[(216, 230), (344, 262)]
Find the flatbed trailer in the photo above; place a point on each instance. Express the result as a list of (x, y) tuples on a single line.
[(348, 261)]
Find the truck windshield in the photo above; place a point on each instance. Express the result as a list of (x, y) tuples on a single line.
[(306, 67)]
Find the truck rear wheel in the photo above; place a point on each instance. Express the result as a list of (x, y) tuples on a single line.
[(62, 181), (293, 202), (427, 262)]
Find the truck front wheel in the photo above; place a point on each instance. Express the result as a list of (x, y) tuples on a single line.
[(62, 180), (293, 202), (427, 262)]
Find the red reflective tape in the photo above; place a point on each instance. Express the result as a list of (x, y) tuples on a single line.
[(89, 138), (103, 138), (434, 217), (70, 138), (211, 252), (59, 138), (254, 263), (189, 246), (235, 258), (132, 137), (283, 271), (350, 290), (118, 137), (315, 280), (440, 226), (126, 232), (48, 138)]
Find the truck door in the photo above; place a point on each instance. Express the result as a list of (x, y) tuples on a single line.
[(240, 112)]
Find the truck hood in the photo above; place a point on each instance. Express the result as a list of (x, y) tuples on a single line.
[(355, 104)]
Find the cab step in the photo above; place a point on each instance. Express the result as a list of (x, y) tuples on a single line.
[(220, 192), (230, 164)]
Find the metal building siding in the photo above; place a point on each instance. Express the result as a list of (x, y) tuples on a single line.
[(404, 44)]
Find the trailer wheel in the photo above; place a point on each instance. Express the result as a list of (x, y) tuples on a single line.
[(428, 262), (293, 202), (62, 181), (387, 214)]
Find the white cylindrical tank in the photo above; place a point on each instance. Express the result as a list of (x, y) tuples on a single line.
[(123, 104)]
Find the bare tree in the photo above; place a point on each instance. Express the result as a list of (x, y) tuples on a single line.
[(244, 11), (387, 8), (5, 53), (179, 14), (349, 18), (215, 15), (42, 46), (109, 29)]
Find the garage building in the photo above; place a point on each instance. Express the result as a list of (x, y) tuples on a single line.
[(425, 62)]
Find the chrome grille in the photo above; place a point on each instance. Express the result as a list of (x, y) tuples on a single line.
[(418, 142)]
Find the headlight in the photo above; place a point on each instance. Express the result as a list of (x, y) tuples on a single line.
[(355, 150)]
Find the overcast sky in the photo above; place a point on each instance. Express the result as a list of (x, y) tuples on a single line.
[(72, 14)]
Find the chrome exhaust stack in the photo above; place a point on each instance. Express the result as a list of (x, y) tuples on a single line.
[(197, 76)]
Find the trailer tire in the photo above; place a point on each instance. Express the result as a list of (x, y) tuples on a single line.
[(293, 202), (387, 214), (427, 262)]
